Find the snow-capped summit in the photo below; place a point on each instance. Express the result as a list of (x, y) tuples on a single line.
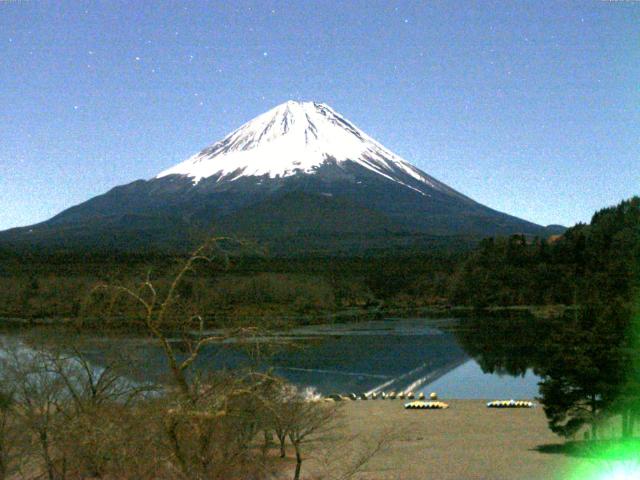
[(296, 137)]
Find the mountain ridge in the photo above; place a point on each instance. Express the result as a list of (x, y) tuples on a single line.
[(295, 158)]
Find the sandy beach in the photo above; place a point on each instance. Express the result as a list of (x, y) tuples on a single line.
[(466, 441)]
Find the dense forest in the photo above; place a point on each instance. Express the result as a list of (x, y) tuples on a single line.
[(587, 261), (598, 259), (57, 285)]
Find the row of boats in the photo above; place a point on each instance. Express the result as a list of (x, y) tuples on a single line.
[(422, 405), (421, 402), (510, 404), (382, 396)]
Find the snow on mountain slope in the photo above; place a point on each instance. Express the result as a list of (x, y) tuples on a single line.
[(297, 137)]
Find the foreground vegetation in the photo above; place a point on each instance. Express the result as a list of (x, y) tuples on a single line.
[(64, 417)]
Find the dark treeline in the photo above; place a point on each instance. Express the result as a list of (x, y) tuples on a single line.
[(56, 285), (586, 261)]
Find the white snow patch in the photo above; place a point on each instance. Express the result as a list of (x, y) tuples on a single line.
[(295, 137)]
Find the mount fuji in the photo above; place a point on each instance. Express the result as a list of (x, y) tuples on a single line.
[(299, 177)]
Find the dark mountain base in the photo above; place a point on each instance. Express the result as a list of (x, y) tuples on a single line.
[(302, 214)]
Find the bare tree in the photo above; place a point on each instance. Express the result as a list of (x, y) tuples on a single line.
[(100, 411), (314, 429), (308, 422), (276, 402), (160, 318), (209, 420)]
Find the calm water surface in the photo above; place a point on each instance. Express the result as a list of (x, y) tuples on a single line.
[(401, 354), (456, 358)]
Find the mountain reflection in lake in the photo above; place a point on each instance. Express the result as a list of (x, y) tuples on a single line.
[(470, 358)]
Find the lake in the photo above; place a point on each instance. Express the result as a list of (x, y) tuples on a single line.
[(397, 354), (448, 356)]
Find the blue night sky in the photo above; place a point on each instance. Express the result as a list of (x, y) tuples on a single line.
[(532, 108)]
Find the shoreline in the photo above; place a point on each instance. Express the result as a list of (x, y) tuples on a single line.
[(287, 320)]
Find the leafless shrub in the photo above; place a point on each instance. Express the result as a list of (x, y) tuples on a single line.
[(11, 437), (294, 417), (309, 422), (77, 417), (39, 396)]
